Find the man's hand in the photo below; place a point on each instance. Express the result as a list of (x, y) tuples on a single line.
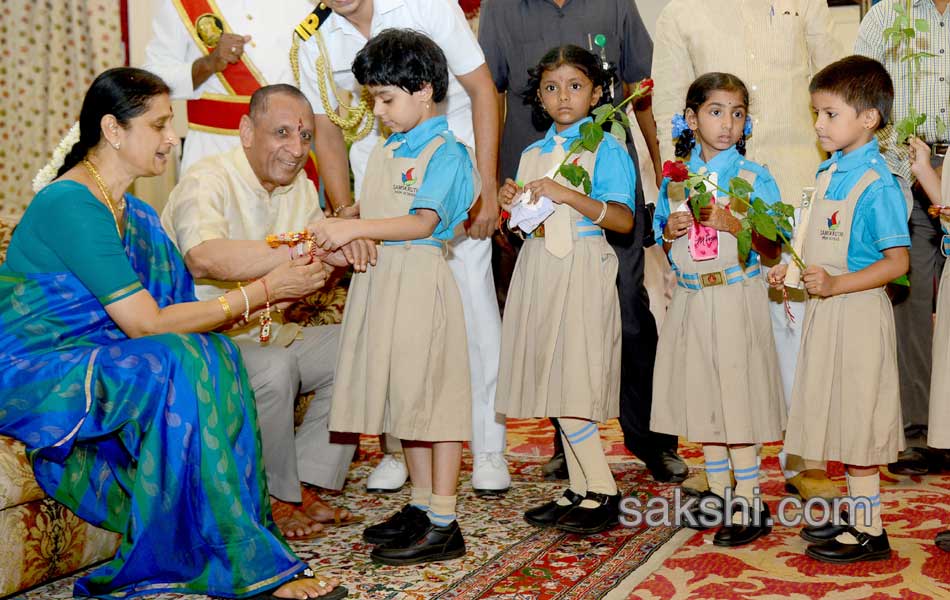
[(483, 218), (228, 51), (719, 218), (818, 282), (331, 234), (361, 254)]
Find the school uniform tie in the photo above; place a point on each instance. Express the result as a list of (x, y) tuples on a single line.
[(558, 239)]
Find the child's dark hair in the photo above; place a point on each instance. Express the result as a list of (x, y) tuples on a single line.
[(697, 94), (862, 82), (574, 56), (404, 58)]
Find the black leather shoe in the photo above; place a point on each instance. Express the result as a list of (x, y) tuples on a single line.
[(869, 547), (705, 511), (406, 525), (730, 536), (434, 544), (666, 466), (943, 541), (556, 468), (548, 513), (911, 461), (592, 520), (822, 534)]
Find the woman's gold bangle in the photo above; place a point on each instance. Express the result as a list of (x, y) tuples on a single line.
[(226, 307)]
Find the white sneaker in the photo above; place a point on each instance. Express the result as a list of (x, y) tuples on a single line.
[(389, 476), (490, 475)]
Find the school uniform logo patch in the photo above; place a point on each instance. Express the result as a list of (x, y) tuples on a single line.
[(833, 222), (832, 231), (406, 185)]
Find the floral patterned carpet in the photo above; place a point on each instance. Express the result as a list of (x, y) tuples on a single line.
[(511, 560), (507, 558)]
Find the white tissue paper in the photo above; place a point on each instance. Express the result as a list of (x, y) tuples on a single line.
[(527, 216)]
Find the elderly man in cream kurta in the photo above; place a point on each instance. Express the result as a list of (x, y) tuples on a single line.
[(219, 216), (774, 46)]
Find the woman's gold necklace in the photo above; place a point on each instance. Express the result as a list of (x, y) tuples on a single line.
[(105, 193)]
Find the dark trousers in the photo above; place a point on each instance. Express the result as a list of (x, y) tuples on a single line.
[(913, 315)]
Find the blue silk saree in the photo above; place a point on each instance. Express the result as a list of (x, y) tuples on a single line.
[(155, 438)]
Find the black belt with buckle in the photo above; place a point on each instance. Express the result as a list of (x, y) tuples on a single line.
[(939, 149)]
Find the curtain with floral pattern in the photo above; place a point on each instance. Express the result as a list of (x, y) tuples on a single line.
[(51, 52)]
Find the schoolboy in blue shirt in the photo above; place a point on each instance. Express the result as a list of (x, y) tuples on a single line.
[(846, 400)]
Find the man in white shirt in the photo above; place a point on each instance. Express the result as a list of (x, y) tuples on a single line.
[(472, 114), (218, 80), (774, 47)]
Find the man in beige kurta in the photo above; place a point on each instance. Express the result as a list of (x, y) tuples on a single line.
[(219, 215), (774, 47)]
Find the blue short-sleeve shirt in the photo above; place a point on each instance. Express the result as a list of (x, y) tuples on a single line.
[(614, 178), (727, 164), (880, 217), (447, 187)]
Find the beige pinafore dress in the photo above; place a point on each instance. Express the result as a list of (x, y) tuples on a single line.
[(938, 431), (560, 340), (716, 377), (403, 362), (846, 399)]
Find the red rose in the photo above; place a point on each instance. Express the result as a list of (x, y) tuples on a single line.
[(646, 85), (675, 170)]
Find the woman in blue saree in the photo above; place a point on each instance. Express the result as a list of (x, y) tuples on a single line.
[(133, 417)]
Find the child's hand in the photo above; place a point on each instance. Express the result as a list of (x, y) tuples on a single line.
[(678, 225), (548, 187), (919, 155), (818, 282), (715, 216), (777, 276), (330, 234), (507, 193)]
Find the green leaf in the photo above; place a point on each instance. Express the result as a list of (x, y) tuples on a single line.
[(744, 244), (899, 9), (740, 187), (573, 173), (909, 33), (600, 113), (759, 206), (941, 127), (764, 225), (921, 119), (922, 25), (592, 137), (699, 201), (902, 280), (785, 224), (617, 130), (586, 183)]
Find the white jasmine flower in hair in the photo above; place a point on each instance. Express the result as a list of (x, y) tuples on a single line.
[(45, 175)]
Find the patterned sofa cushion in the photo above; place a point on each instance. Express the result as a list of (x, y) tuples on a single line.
[(17, 485)]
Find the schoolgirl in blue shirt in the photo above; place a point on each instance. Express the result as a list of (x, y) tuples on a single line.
[(403, 365), (717, 378), (561, 328), (846, 398)]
